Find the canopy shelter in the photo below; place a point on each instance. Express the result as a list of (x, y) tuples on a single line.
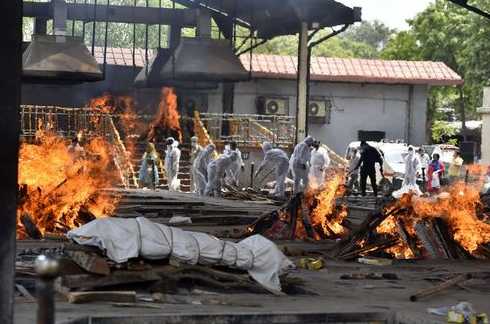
[(271, 18)]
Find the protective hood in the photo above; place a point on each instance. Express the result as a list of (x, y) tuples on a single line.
[(309, 140), (175, 143), (266, 146), (210, 148)]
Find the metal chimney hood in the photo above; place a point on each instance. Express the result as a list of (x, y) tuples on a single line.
[(57, 58), (196, 63)]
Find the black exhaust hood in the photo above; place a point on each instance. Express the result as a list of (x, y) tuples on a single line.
[(50, 58), (199, 63)]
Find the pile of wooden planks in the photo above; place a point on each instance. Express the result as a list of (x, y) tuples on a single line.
[(87, 275), (220, 217), (429, 238)]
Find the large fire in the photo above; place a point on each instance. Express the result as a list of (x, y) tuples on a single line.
[(167, 118), (122, 109), (458, 206), (58, 183), (321, 202)]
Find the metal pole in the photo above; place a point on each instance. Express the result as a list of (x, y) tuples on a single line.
[(47, 269), (134, 40), (94, 26), (146, 43), (160, 27), (302, 83), (11, 67), (83, 26), (73, 25), (105, 39), (464, 131)]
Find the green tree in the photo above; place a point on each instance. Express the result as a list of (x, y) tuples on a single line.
[(448, 33), (372, 33), (443, 131), (403, 46)]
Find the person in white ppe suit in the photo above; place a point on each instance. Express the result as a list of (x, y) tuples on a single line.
[(200, 168), (412, 168), (319, 163), (196, 149), (172, 160), (354, 158), (300, 164), (280, 162), (234, 171), (216, 173)]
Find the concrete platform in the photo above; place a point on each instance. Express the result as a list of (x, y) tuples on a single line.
[(330, 299)]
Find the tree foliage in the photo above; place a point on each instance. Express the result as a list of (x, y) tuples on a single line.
[(365, 40), (443, 131), (448, 33), (372, 33)]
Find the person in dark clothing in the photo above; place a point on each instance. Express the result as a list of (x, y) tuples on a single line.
[(369, 157)]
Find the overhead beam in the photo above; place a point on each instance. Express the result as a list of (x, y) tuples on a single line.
[(116, 14), (478, 11)]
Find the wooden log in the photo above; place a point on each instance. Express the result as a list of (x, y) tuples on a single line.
[(101, 296), (85, 216), (31, 228), (292, 209), (405, 237), (305, 214), (430, 240), (90, 262), (438, 288), (370, 248), (450, 246), (88, 281)]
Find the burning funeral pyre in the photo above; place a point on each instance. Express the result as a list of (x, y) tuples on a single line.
[(59, 185), (451, 225)]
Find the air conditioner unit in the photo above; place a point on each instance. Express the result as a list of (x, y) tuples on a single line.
[(276, 106), (319, 111)]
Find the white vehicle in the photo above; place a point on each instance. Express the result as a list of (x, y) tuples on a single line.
[(393, 158)]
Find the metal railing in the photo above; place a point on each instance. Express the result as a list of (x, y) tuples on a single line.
[(250, 130), (68, 122), (65, 122)]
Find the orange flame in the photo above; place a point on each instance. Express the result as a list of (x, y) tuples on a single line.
[(458, 206), (125, 116), (59, 182), (103, 104), (325, 215), (167, 117)]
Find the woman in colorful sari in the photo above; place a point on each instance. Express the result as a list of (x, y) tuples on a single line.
[(434, 174)]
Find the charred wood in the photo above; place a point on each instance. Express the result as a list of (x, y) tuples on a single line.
[(406, 238), (429, 238), (31, 228), (441, 287)]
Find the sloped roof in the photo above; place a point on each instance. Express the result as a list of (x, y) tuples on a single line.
[(355, 70), (328, 69)]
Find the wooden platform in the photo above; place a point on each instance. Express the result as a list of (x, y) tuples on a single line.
[(220, 217)]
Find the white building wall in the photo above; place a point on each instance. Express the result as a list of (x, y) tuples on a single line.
[(370, 107)]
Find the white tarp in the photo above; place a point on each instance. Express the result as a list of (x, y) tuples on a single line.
[(123, 239)]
